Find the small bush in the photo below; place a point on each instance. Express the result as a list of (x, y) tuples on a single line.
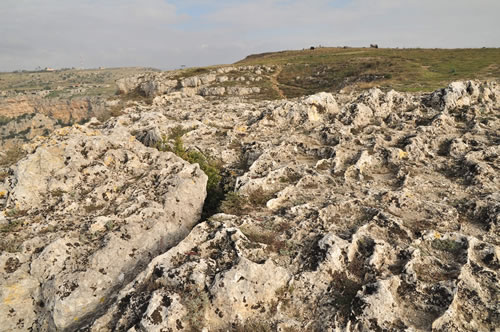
[(259, 197), (12, 156), (271, 238), (178, 131), (234, 204), (93, 208), (196, 305), (447, 245), (15, 213), (136, 95), (4, 120), (112, 112), (207, 165), (10, 245), (237, 204), (211, 167)]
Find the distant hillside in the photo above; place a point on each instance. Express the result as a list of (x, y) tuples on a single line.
[(66, 83), (331, 69)]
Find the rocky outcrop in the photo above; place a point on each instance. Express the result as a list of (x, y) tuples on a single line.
[(207, 84), (149, 85), (93, 206), (201, 281), (376, 211)]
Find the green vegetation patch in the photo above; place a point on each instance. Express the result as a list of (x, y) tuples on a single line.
[(237, 204), (12, 156), (447, 245), (422, 70), (4, 120), (210, 166)]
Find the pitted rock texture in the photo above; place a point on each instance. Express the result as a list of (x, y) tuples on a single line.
[(369, 212), (86, 210)]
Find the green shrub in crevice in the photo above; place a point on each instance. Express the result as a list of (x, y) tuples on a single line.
[(210, 166)]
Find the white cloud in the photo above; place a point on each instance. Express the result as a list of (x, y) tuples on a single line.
[(168, 33)]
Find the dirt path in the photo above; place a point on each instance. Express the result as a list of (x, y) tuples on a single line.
[(275, 84)]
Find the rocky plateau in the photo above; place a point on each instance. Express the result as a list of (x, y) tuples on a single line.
[(368, 211)]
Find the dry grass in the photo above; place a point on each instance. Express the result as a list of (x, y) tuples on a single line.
[(237, 204), (11, 156), (331, 69)]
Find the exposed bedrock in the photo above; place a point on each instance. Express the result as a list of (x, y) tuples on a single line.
[(369, 212)]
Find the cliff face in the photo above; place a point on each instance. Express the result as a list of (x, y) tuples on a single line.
[(23, 118), (376, 211), (64, 110)]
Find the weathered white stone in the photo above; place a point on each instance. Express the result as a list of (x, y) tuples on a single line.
[(350, 213), (222, 79), (78, 275), (191, 82)]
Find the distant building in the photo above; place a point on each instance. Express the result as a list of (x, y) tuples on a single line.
[(49, 69)]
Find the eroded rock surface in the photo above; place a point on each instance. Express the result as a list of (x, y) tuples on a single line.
[(87, 209), (369, 212)]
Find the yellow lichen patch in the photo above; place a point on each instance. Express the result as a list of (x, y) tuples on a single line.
[(240, 129), (408, 194), (403, 154), (108, 160), (437, 235), (3, 194), (63, 131), (131, 139), (14, 293)]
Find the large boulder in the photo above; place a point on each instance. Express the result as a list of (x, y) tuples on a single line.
[(129, 84), (158, 86), (95, 206)]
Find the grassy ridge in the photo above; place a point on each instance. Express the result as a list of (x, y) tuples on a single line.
[(331, 69)]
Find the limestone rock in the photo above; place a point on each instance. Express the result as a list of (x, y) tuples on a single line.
[(157, 86), (114, 205), (343, 212), (198, 284)]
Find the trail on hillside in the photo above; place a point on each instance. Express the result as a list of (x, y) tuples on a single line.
[(275, 84)]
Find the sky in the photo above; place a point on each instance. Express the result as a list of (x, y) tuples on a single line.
[(168, 34)]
